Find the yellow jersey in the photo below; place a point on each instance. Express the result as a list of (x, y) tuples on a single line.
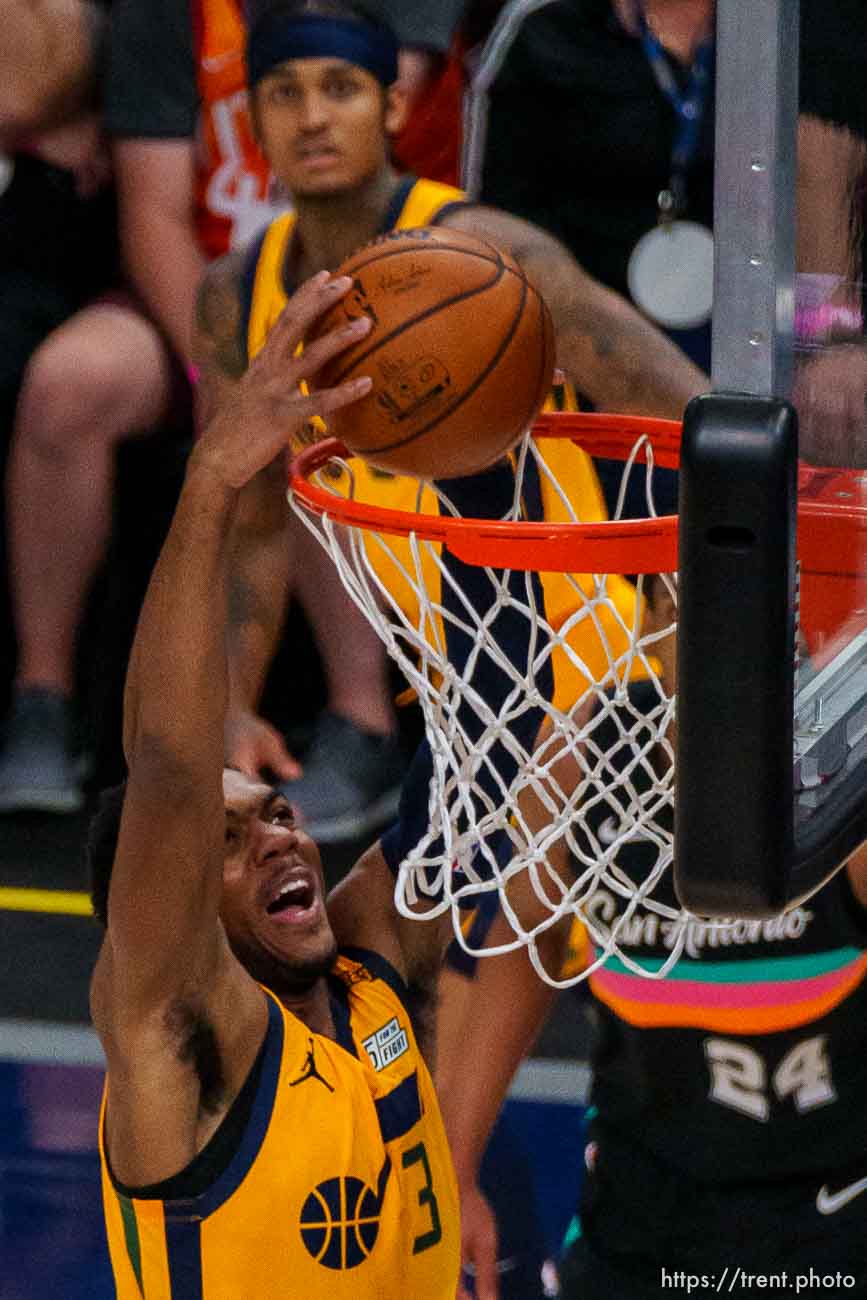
[(339, 1184), (590, 657)]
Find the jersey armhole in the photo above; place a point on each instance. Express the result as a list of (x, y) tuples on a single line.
[(215, 1158)]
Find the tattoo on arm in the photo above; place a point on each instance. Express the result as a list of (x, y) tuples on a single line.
[(219, 319), (610, 351), (551, 268)]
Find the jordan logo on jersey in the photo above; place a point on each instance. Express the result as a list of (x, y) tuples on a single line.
[(386, 1044), (310, 1070)]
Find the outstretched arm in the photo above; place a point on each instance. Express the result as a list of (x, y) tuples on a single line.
[(259, 565), (608, 349), (170, 851)]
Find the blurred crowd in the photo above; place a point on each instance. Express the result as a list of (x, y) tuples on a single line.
[(128, 161)]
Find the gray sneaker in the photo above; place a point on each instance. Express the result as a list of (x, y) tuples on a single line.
[(351, 781), (37, 770)]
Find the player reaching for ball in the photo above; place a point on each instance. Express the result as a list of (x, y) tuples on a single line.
[(269, 1128), (324, 106)]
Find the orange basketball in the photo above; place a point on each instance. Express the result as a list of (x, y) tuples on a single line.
[(461, 353)]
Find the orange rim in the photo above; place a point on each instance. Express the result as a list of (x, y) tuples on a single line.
[(831, 539), (613, 437)]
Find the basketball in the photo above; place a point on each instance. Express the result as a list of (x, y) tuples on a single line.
[(461, 353)]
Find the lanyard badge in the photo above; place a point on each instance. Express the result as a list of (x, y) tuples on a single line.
[(670, 271)]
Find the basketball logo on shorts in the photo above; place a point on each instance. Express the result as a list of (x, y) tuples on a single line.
[(340, 1220)]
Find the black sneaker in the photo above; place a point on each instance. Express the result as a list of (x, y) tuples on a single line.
[(351, 781), (38, 772)]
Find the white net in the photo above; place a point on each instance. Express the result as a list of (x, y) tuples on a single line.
[(547, 709)]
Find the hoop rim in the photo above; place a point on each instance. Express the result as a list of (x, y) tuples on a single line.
[(830, 537)]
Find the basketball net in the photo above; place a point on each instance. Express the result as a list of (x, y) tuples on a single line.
[(544, 766)]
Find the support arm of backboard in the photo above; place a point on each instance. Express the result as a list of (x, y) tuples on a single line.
[(746, 839)]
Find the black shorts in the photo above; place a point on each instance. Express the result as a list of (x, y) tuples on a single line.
[(800, 1254)]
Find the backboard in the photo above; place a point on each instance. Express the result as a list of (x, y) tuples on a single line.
[(772, 637)]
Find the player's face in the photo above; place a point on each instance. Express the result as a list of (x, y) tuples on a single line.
[(323, 124), (273, 900)]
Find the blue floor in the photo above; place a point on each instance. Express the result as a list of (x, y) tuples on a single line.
[(52, 1244)]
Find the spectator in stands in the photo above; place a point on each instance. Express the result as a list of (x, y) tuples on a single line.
[(51, 224), (427, 33), (585, 66), (433, 74), (631, 85), (343, 200), (175, 77), (57, 250), (354, 763)]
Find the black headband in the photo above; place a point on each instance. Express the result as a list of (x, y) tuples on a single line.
[(274, 41)]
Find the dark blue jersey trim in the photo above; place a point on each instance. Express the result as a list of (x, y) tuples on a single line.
[(381, 969), (184, 1254), (392, 215), (487, 495), (397, 203), (339, 997), (399, 1110), (484, 913), (248, 285), (395, 207)]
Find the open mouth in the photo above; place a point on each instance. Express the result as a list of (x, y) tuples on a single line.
[(293, 899)]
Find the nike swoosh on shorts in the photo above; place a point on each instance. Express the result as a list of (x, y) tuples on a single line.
[(828, 1202)]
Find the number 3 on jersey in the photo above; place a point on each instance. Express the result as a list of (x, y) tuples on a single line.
[(739, 1076), (426, 1199)]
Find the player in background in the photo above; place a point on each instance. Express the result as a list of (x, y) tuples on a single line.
[(728, 1106), (179, 108), (325, 104), (269, 1126)]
